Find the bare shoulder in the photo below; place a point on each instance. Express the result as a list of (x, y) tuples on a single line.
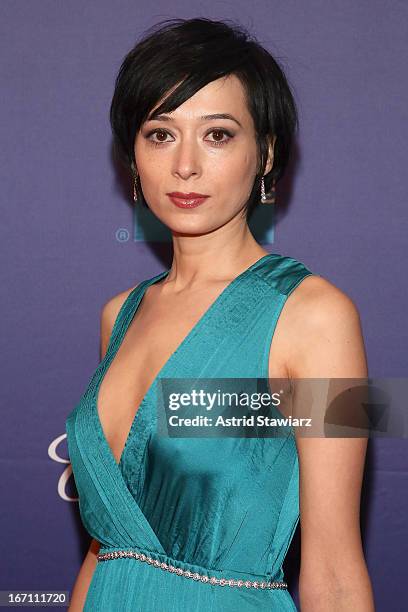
[(325, 331), (109, 313), (317, 298), (110, 309)]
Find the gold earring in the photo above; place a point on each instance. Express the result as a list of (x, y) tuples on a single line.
[(135, 188), (268, 198)]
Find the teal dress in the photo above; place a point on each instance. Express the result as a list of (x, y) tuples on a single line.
[(179, 518)]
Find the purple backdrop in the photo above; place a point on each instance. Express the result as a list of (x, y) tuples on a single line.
[(342, 211)]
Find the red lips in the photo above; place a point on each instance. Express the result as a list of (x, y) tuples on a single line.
[(187, 200)]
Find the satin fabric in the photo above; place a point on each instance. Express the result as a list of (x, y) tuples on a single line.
[(225, 507)]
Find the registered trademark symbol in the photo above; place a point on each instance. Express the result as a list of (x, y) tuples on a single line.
[(122, 234)]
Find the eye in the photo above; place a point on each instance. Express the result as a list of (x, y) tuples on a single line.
[(160, 132), (219, 131)]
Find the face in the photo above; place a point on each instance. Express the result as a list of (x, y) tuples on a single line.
[(184, 151)]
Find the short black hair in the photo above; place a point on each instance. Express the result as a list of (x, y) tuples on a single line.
[(192, 53)]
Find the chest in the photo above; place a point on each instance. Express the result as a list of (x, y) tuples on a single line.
[(163, 326)]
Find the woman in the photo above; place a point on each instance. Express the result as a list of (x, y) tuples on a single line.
[(204, 118)]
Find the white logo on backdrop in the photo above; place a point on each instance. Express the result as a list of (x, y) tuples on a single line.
[(66, 474)]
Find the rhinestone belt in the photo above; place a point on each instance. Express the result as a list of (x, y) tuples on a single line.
[(118, 554)]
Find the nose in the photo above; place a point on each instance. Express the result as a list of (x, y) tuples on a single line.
[(187, 158)]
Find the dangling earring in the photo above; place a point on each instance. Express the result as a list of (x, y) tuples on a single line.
[(268, 198), (135, 188)]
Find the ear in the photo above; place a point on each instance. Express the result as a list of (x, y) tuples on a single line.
[(269, 163)]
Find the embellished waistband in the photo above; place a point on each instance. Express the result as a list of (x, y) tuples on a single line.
[(256, 584)]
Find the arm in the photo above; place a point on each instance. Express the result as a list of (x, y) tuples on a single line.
[(333, 572), (84, 578), (108, 316)]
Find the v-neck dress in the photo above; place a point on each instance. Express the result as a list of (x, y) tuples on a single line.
[(198, 512)]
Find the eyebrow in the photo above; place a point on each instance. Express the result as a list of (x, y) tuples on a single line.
[(154, 117)]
